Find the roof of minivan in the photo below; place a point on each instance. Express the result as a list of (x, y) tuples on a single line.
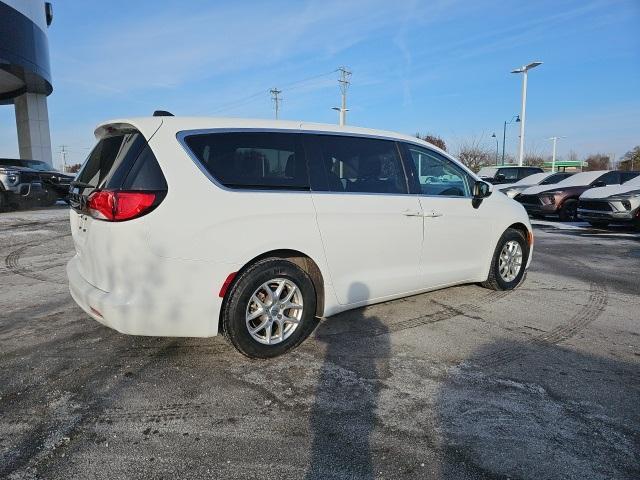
[(148, 125)]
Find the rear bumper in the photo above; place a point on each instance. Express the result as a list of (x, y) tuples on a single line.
[(153, 311)]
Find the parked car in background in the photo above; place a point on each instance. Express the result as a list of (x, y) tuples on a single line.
[(612, 204), (561, 199), (19, 185), (499, 175), (254, 228), (546, 178), (31, 182)]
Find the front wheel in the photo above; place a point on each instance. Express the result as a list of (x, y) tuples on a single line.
[(509, 261), (569, 211), (270, 309)]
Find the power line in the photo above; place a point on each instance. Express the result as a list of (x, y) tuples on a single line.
[(249, 98), (276, 99)]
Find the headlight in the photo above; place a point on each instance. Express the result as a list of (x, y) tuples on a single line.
[(548, 199), (511, 192), (12, 178), (626, 204)]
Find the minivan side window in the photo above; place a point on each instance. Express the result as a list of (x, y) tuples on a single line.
[(361, 165), (437, 175), (252, 160)]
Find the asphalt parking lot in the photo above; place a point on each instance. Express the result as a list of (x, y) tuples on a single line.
[(541, 382)]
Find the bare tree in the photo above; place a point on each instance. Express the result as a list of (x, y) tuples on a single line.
[(472, 153), (630, 160), (597, 161), (433, 140)]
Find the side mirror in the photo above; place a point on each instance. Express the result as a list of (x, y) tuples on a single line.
[(599, 183), (481, 190), (500, 177)]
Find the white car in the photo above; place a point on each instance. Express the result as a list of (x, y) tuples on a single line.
[(255, 229), (546, 178), (612, 204)]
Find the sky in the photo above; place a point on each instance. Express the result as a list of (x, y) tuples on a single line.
[(440, 67)]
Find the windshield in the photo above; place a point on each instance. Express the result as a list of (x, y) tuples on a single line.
[(533, 179), (583, 178), (487, 171), (33, 164)]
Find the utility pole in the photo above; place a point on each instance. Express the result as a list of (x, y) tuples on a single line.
[(63, 156), (553, 156), (276, 100), (343, 82)]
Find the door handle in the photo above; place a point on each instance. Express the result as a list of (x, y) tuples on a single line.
[(412, 213), (433, 214)]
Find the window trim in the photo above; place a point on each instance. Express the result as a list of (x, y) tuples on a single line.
[(404, 146)]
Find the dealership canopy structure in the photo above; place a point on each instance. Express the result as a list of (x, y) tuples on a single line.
[(25, 75)]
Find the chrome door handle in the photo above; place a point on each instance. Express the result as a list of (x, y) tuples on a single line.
[(412, 213), (433, 214)]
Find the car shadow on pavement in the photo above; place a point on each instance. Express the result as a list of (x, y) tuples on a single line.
[(343, 415), (537, 410)]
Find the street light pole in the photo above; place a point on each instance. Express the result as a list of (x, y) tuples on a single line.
[(495, 136), (553, 156), (515, 118), (524, 70)]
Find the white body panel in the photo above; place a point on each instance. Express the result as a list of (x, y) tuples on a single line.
[(160, 274)]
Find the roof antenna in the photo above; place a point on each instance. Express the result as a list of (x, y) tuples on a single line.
[(162, 113)]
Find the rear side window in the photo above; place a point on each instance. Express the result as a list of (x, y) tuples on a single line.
[(361, 165), (252, 160), (626, 176), (122, 162), (509, 173)]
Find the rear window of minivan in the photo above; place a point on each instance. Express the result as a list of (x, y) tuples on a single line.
[(252, 160), (122, 161)]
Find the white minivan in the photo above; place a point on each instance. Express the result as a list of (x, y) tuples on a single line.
[(255, 228)]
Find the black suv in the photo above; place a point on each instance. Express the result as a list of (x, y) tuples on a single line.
[(32, 182), (498, 175)]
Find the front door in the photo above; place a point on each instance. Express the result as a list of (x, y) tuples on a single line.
[(456, 235)]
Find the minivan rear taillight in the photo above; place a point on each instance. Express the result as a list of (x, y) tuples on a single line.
[(118, 205)]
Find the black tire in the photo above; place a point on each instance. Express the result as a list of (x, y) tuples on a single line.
[(3, 201), (569, 211), (494, 281), (234, 310), (598, 224)]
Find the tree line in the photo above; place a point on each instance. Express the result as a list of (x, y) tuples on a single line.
[(474, 154)]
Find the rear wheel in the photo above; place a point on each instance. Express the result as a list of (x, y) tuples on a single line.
[(569, 211), (270, 309), (509, 261)]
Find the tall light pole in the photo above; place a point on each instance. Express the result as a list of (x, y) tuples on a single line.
[(344, 83), (553, 156), (494, 136), (516, 119), (524, 70)]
